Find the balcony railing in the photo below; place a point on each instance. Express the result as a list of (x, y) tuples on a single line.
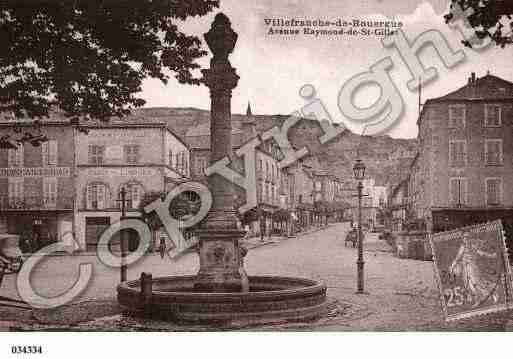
[(36, 203)]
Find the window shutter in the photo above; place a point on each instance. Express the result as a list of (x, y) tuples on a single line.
[(489, 192), (53, 191), (465, 191), (493, 191), (100, 196), (90, 154), (15, 157), (10, 157), (136, 154), (52, 152), (50, 191), (135, 196), (44, 153), (89, 197), (493, 152), (20, 155)]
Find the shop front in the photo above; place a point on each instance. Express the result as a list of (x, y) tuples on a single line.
[(37, 229)]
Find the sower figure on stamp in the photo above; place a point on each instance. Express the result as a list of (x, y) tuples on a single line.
[(465, 264)]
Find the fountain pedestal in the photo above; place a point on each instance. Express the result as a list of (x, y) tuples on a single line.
[(220, 256)]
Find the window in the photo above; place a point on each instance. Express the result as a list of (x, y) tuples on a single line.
[(458, 192), (49, 153), (134, 192), (15, 192), (49, 192), (199, 167), (457, 115), (457, 153), (15, 157), (183, 169), (493, 191), (178, 163), (186, 165), (267, 171), (97, 196), (96, 154), (131, 154), (493, 115), (493, 152)]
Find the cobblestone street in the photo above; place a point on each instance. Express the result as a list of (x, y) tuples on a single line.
[(402, 294)]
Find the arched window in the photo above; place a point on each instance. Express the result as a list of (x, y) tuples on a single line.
[(97, 196)]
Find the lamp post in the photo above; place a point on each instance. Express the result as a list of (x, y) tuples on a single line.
[(359, 174), (123, 241)]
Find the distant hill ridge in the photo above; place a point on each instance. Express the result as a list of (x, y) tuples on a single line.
[(387, 159)]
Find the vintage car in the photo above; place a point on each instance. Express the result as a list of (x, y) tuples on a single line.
[(11, 261), (10, 254)]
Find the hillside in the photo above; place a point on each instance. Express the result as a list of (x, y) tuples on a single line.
[(386, 158)]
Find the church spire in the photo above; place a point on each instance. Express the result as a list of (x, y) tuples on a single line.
[(248, 110)]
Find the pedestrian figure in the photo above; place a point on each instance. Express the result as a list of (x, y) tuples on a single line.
[(162, 246), (262, 228)]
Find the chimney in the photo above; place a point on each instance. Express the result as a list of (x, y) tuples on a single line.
[(473, 77)]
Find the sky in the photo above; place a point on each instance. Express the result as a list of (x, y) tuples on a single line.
[(272, 69)]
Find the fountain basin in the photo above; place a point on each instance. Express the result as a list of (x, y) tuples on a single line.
[(270, 299)]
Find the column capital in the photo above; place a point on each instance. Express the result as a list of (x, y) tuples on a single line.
[(220, 79)]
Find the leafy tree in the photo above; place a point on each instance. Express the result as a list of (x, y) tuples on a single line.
[(486, 19), (89, 57)]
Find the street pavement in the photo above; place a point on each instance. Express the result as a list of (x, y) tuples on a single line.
[(401, 293)]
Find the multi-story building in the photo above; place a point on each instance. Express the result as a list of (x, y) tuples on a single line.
[(465, 162), (303, 192), (374, 201), (138, 155), (398, 205), (69, 185), (36, 182)]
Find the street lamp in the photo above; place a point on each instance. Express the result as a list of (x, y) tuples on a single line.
[(359, 175), (124, 202)]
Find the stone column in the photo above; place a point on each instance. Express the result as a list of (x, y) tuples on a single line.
[(220, 255)]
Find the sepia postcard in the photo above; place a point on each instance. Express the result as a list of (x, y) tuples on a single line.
[(177, 166)]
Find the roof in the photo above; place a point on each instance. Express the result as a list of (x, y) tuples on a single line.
[(198, 137), (489, 87), (203, 129), (402, 184), (57, 117)]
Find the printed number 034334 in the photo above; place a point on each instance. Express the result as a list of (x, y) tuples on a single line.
[(26, 349)]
